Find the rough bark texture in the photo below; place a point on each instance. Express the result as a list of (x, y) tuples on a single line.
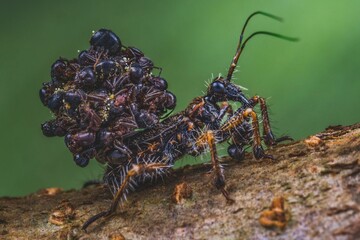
[(318, 177)]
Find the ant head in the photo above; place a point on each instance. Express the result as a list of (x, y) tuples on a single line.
[(106, 39), (220, 89)]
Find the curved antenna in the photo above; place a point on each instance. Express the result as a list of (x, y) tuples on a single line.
[(248, 19), (291, 39), (241, 46)]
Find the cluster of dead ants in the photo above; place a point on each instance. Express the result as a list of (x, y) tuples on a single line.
[(103, 96), (109, 106)]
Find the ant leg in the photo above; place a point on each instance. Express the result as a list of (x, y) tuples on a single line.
[(269, 137), (237, 120), (240, 136), (218, 171), (257, 148), (136, 170)]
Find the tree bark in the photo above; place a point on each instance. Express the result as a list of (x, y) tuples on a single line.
[(318, 178)]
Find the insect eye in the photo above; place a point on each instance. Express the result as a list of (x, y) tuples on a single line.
[(217, 87)]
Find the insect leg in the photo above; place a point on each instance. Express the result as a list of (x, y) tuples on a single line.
[(218, 171), (237, 120), (269, 137), (240, 137), (136, 170)]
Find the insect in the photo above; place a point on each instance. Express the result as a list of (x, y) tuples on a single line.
[(109, 105)]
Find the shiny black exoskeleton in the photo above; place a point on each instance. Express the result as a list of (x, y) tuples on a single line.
[(55, 101), (106, 69), (107, 87), (86, 77), (106, 39), (134, 52), (53, 128)]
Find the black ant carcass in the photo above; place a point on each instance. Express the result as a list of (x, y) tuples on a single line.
[(110, 106)]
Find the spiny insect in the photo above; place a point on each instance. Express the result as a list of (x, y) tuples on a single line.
[(110, 106)]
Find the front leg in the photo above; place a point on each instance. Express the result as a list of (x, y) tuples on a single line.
[(230, 126), (208, 138), (269, 137)]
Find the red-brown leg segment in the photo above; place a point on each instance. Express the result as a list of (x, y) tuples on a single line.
[(269, 137), (237, 120), (218, 171), (208, 139), (136, 170)]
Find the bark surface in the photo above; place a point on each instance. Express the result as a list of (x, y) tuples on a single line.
[(318, 177)]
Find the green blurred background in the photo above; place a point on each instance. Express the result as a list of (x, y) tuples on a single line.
[(311, 84)]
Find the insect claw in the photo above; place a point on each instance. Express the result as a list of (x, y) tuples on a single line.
[(259, 153), (270, 139), (268, 156), (94, 218), (226, 194), (284, 138)]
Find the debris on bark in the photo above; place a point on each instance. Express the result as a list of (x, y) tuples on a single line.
[(318, 178), (276, 215), (62, 214), (181, 191)]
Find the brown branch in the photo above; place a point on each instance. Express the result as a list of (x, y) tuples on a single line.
[(318, 178)]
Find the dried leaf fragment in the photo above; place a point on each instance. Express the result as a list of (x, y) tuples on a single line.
[(51, 191), (116, 236), (276, 216), (313, 141), (62, 214), (181, 191)]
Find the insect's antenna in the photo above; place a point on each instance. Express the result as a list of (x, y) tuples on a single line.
[(291, 39), (240, 45), (248, 19)]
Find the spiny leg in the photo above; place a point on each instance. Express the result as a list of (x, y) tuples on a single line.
[(136, 170), (240, 137), (237, 120), (257, 148), (269, 137), (218, 171)]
